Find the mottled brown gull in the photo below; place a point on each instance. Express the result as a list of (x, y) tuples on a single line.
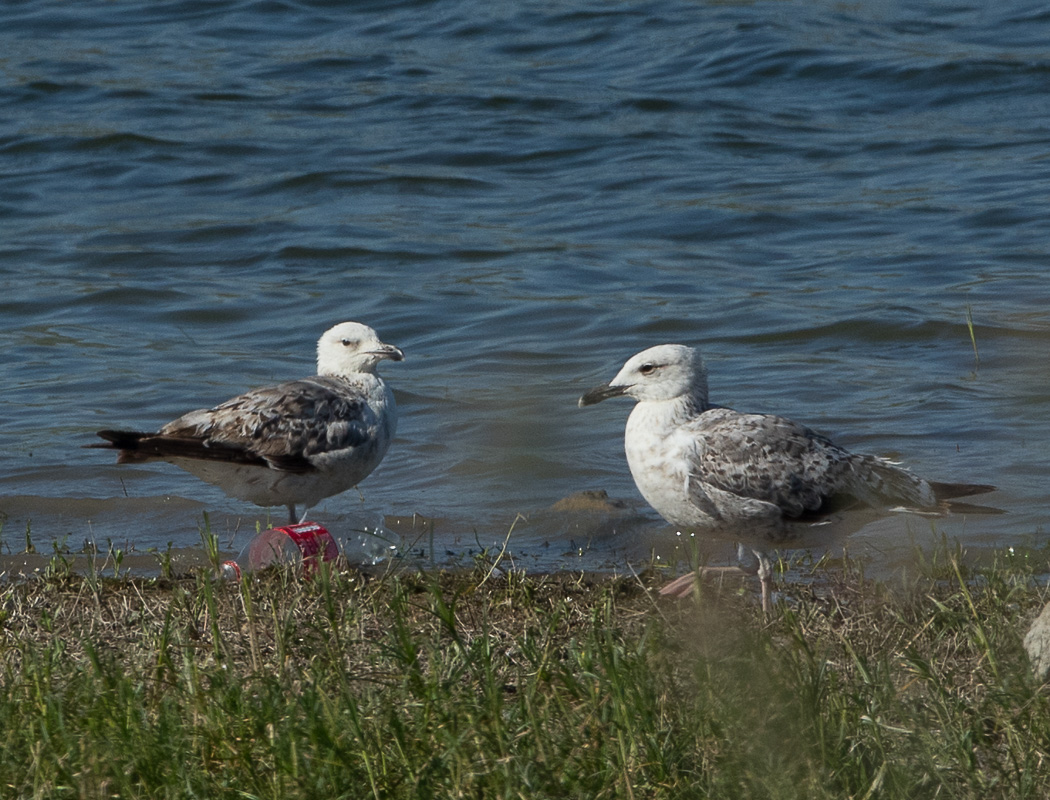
[(295, 443), (743, 477)]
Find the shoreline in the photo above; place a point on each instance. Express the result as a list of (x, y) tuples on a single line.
[(478, 682)]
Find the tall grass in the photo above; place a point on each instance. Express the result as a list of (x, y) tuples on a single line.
[(434, 686)]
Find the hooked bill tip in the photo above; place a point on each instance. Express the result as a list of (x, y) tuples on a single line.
[(599, 393), (391, 352)]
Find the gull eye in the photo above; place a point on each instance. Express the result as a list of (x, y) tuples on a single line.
[(349, 343), (647, 369)]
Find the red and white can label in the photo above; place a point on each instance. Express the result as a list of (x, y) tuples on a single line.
[(313, 540)]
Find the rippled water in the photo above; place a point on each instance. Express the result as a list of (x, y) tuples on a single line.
[(521, 195)]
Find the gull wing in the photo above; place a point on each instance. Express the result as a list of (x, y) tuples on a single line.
[(280, 426), (766, 458)]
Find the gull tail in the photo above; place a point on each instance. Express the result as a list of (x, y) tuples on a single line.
[(127, 442), (134, 447), (950, 491), (880, 483)]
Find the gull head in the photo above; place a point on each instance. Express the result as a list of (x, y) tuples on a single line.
[(351, 347), (661, 373)]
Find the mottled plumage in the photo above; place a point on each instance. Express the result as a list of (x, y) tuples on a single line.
[(742, 476), (294, 443)]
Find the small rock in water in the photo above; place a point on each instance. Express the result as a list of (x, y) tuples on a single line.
[(591, 500)]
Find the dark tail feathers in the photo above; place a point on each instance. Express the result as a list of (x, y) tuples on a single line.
[(120, 440), (949, 491), (135, 446)]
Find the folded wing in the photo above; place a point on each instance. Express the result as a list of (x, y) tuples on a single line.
[(281, 427)]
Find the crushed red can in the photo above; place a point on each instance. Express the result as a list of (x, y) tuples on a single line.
[(306, 543)]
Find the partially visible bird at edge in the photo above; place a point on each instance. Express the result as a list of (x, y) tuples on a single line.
[(743, 477), (292, 444)]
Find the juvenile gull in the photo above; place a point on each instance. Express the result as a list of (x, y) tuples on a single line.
[(294, 443), (739, 476)]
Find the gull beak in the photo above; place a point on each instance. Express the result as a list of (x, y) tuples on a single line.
[(388, 351), (603, 392)]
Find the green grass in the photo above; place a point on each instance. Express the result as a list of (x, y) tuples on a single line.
[(441, 685), (973, 337)]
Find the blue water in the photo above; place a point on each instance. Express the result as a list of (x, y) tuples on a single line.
[(521, 195)]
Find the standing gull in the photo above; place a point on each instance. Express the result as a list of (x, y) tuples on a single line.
[(294, 443), (742, 476)]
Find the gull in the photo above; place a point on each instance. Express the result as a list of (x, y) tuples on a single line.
[(738, 476), (294, 443)]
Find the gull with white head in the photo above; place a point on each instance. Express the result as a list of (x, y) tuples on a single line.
[(738, 476), (294, 443)]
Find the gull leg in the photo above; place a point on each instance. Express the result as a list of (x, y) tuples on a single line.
[(291, 514), (302, 519), (688, 584), (759, 564), (685, 585), (765, 576), (682, 586)]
